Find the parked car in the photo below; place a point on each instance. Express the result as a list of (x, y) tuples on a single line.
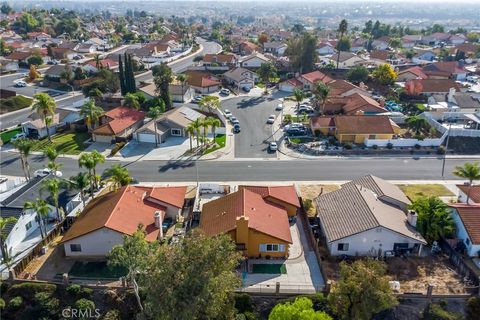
[(45, 172), (246, 89), (472, 78), (273, 146), (234, 120), (196, 99), (228, 114), (279, 107), (293, 125), (225, 92), (271, 119), (53, 62), (20, 135), (296, 132), (236, 128), (20, 84), (305, 109)]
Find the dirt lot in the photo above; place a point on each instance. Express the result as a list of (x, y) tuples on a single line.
[(311, 191)]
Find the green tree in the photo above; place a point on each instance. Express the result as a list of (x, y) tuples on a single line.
[(434, 220), (384, 74), (67, 74), (214, 124), (358, 74), (469, 171), (42, 209), (362, 290), (91, 113), (51, 154), (395, 43), (80, 182), (342, 29), (343, 44), (205, 126), (52, 186), (89, 161), (190, 130), (299, 96), (24, 147), (27, 23), (162, 77), (300, 309), (45, 106), (118, 176), (131, 101), (182, 78), (3, 237), (302, 52), (121, 75), (321, 91), (197, 125), (153, 113), (417, 124), (6, 9), (209, 103), (266, 72), (35, 60)]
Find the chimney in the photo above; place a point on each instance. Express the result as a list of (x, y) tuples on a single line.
[(242, 230), (412, 218), (157, 217), (451, 94)]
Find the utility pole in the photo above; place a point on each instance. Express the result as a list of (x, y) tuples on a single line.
[(446, 149)]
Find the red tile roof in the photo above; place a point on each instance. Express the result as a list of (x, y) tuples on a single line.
[(287, 194), (417, 71), (474, 192), (121, 119), (364, 125), (322, 122), (470, 216), (107, 63), (220, 215), (316, 76), (174, 196), (201, 79)]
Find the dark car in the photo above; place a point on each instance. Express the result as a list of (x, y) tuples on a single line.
[(296, 132), (236, 128), (246, 89)]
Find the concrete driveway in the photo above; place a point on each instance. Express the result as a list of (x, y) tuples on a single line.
[(171, 149)]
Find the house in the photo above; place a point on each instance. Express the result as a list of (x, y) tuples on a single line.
[(285, 196), (100, 44), (170, 124), (20, 57), (178, 92), (446, 70), (456, 39), (38, 36), (364, 218), (409, 41), (383, 56), (357, 45), (202, 82), (429, 87), (435, 39), (91, 66), (423, 56), (258, 227), (381, 43), (464, 190), (461, 101), (7, 65), (346, 59), (85, 48), (290, 85), (309, 79), (467, 226), (108, 218), (343, 88), (276, 48), (118, 123), (325, 48), (355, 128), (220, 60), (245, 48), (36, 128), (54, 73), (241, 78), (255, 60), (353, 104), (62, 53), (411, 73)]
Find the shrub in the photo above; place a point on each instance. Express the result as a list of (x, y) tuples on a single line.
[(74, 289), (473, 308), (2, 304), (15, 303), (85, 304), (437, 312), (87, 292), (307, 204), (243, 303), (113, 314), (42, 296), (347, 146), (27, 290), (441, 150), (389, 145), (118, 146)]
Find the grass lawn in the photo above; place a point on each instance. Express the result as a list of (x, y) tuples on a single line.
[(96, 270), (220, 140), (65, 143), (300, 140), (14, 103), (414, 191), (7, 135), (275, 268)]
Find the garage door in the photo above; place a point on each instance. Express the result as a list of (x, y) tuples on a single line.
[(146, 137)]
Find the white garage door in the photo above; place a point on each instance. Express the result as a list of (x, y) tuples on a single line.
[(146, 137)]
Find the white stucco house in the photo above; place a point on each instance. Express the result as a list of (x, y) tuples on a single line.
[(467, 225), (368, 217), (255, 60)]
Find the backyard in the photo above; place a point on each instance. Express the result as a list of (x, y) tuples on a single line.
[(275, 268), (96, 270), (309, 192), (413, 191), (65, 143), (7, 135)]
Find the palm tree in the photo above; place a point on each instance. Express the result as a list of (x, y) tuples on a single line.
[(45, 106), (52, 154), (97, 59), (209, 103), (3, 237), (182, 78), (299, 96), (80, 182), (131, 101), (205, 126), (321, 91), (190, 130), (266, 72), (417, 124), (434, 220), (24, 146), (90, 162), (52, 186), (470, 171), (197, 124), (214, 123), (91, 112), (42, 209), (342, 28), (154, 113), (118, 176)]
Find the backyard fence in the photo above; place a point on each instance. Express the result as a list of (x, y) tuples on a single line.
[(406, 142), (468, 272), (281, 288)]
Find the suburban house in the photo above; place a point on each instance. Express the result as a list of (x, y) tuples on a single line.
[(409, 41), (355, 128), (101, 44), (259, 227), (435, 38), (219, 60), (366, 217), (343, 88), (203, 82), (36, 128), (325, 48), (290, 85), (91, 66), (285, 196), (241, 78), (346, 59), (178, 92), (467, 226), (120, 122), (85, 48), (383, 56), (54, 73), (39, 36), (245, 48), (8, 65), (428, 87), (464, 191), (354, 104), (276, 48), (381, 43), (422, 56), (357, 45), (461, 101), (309, 79), (446, 70), (254, 60), (411, 73), (108, 218), (170, 124)]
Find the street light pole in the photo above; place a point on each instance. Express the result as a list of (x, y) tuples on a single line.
[(196, 169), (446, 149)]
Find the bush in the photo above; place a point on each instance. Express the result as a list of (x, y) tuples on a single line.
[(307, 204), (2, 304), (389, 145), (473, 308), (87, 292), (437, 312), (74, 289), (27, 290), (15, 303), (118, 146), (243, 303), (441, 150), (113, 314), (85, 304), (347, 146), (15, 103)]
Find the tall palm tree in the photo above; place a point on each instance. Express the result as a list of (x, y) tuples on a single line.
[(190, 130), (52, 154), (118, 176), (197, 124), (90, 161), (342, 29), (80, 182), (97, 159), (131, 101), (299, 96), (45, 106), (470, 171), (24, 146), (52, 186), (97, 59), (182, 78), (321, 91), (214, 123), (3, 237), (154, 113), (91, 112), (205, 126), (42, 209), (266, 72), (417, 124), (209, 103)]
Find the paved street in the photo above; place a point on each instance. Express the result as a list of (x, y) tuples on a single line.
[(267, 170)]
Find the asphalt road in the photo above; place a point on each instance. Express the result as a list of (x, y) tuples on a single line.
[(332, 169), (252, 112)]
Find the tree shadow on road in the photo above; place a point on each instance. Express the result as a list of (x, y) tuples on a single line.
[(176, 164)]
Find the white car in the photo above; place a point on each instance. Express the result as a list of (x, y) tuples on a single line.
[(18, 136), (271, 119), (234, 120), (45, 172), (279, 107), (225, 92), (304, 108), (227, 113), (273, 146), (293, 125), (20, 84)]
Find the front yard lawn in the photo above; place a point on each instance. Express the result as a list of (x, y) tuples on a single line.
[(413, 191), (220, 140), (7, 135), (14, 103), (65, 143), (96, 270)]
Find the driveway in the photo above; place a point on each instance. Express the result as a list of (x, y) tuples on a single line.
[(171, 149), (252, 112)]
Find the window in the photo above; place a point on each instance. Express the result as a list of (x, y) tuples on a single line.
[(371, 136), (272, 248), (176, 132), (28, 225), (75, 248), (342, 247)]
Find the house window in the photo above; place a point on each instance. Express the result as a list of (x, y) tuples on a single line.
[(28, 226), (176, 132), (342, 247), (272, 248), (371, 136), (75, 248)]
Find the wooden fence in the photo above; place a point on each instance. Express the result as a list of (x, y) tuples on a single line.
[(461, 266)]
